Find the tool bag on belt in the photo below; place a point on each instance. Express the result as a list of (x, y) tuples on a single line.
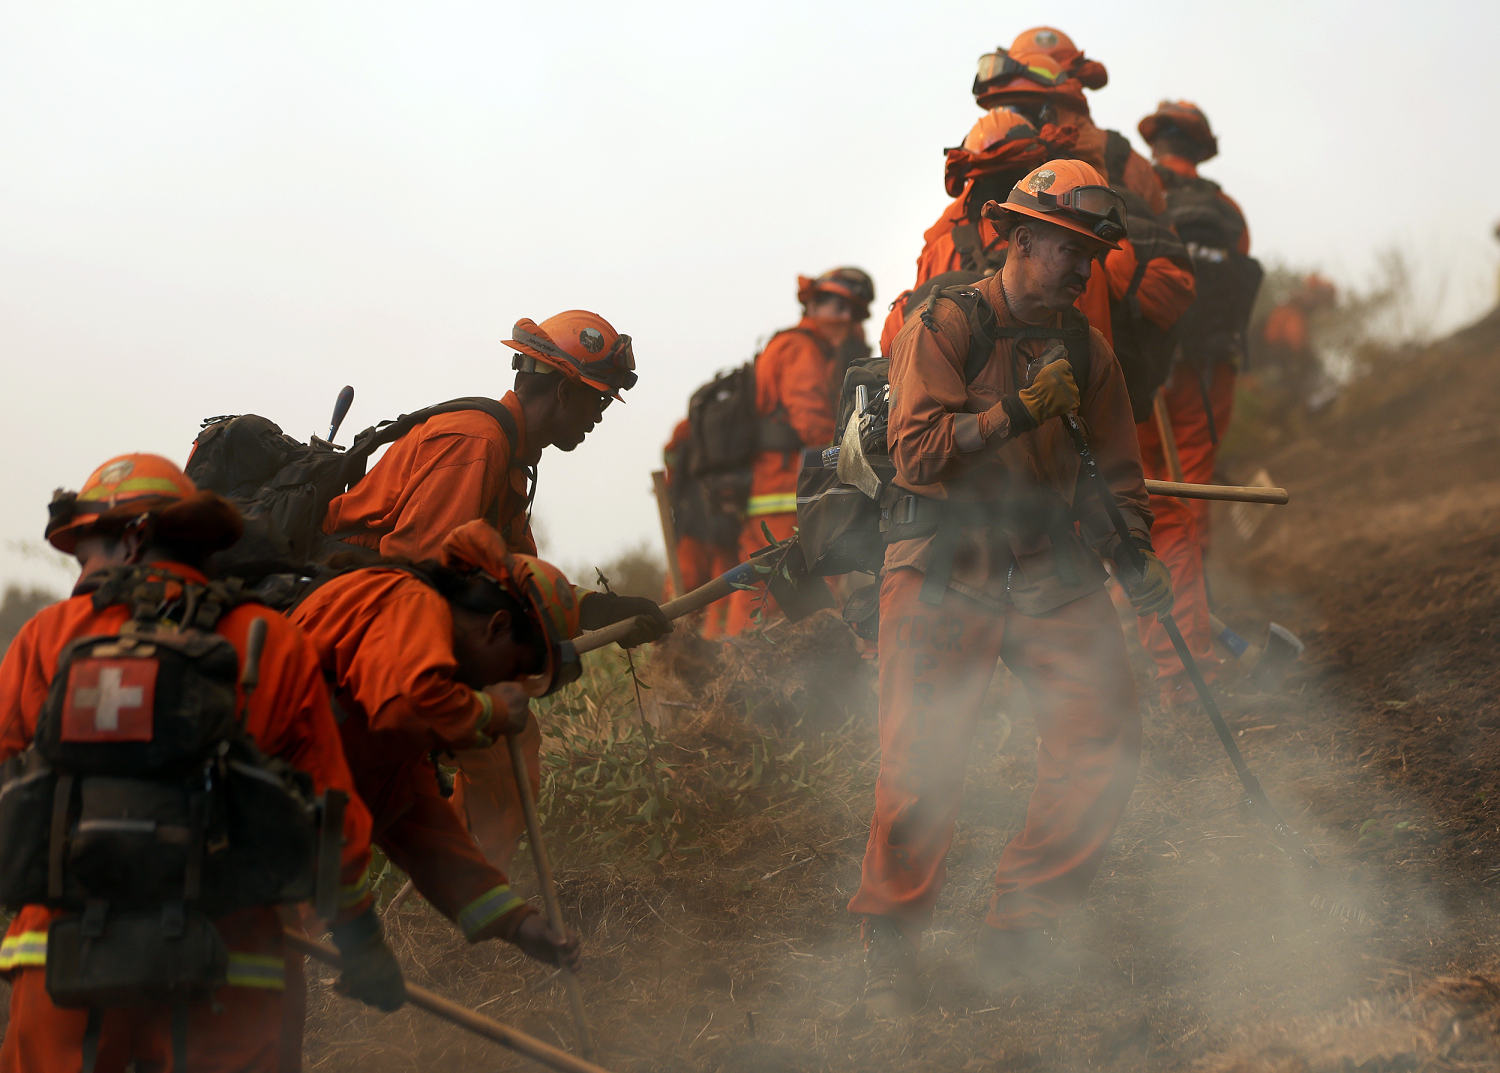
[(1145, 350), (1215, 326), (726, 431), (143, 809), (283, 486), (848, 509)]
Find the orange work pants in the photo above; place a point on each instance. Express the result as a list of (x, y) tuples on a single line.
[(1180, 530), (486, 796), (238, 1031), (744, 604), (700, 563), (935, 664)]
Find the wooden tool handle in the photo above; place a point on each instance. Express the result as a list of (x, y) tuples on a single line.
[(1234, 492), (461, 1016)]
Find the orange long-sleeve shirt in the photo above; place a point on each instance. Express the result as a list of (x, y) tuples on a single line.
[(287, 715), (448, 470), (1033, 478), (793, 380), (384, 639)]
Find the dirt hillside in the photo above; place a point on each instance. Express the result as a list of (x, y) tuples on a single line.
[(1202, 946)]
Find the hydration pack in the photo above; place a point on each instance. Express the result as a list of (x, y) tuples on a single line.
[(725, 432), (844, 529), (1144, 349), (283, 486), (143, 809), (1216, 325)]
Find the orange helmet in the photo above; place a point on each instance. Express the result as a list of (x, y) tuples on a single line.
[(139, 485), (582, 346), (859, 290), (1003, 140), (539, 586), (1185, 119), (1009, 74), (1069, 194), (1090, 73)]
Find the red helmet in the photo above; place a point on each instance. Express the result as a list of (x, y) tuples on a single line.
[(580, 345), (858, 290), (1003, 140), (539, 586), (1090, 73), (1005, 74), (143, 485), (1186, 120), (1071, 195)]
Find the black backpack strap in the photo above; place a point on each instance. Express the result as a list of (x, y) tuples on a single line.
[(1074, 334), (1116, 156), (984, 328), (372, 439)]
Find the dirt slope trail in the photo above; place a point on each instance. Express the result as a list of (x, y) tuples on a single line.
[(1201, 946)]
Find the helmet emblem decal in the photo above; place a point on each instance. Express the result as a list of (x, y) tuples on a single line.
[(1046, 38), (116, 472), (1042, 180), (592, 340)]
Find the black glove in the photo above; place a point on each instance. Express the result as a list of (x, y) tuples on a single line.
[(371, 973), (1150, 587), (599, 609)]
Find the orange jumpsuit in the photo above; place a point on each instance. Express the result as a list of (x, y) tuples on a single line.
[(793, 380), (699, 560), (1180, 531), (1023, 586), (447, 471), (384, 639), (241, 1028)]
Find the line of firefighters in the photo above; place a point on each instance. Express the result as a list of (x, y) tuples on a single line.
[(441, 625)]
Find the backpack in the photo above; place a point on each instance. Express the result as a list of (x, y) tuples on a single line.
[(726, 431), (143, 810), (1216, 325), (283, 487), (1144, 349), (842, 530)]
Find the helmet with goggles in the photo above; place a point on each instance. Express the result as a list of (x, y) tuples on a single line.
[(134, 488), (1004, 76), (1090, 73), (1071, 195), (858, 290), (579, 345)]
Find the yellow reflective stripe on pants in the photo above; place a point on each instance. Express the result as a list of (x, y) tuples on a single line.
[(351, 894), (778, 503), (489, 906), (264, 971), (22, 949)]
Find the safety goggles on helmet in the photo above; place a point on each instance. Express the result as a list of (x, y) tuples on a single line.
[(1100, 208), (994, 66), (615, 367)]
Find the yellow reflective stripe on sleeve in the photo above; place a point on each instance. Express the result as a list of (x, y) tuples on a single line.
[(487, 706), (781, 503), (22, 949), (489, 906), (351, 894), (265, 971)]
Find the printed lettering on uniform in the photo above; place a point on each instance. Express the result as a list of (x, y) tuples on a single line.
[(110, 700)]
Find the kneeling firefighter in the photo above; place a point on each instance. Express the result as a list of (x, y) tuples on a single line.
[(172, 772), (438, 656), (993, 554)]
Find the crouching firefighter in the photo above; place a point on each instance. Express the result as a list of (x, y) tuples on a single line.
[(171, 773), (438, 656), (994, 554)]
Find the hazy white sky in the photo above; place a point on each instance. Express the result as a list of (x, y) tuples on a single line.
[(216, 208)]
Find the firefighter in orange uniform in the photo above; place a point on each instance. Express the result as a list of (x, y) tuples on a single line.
[(1286, 364), (457, 467), (994, 555), (439, 657), (1043, 75), (797, 379), (707, 534), (1199, 394), (140, 510)]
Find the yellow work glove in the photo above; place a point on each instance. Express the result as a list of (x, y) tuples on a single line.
[(1052, 393), (1150, 588)]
